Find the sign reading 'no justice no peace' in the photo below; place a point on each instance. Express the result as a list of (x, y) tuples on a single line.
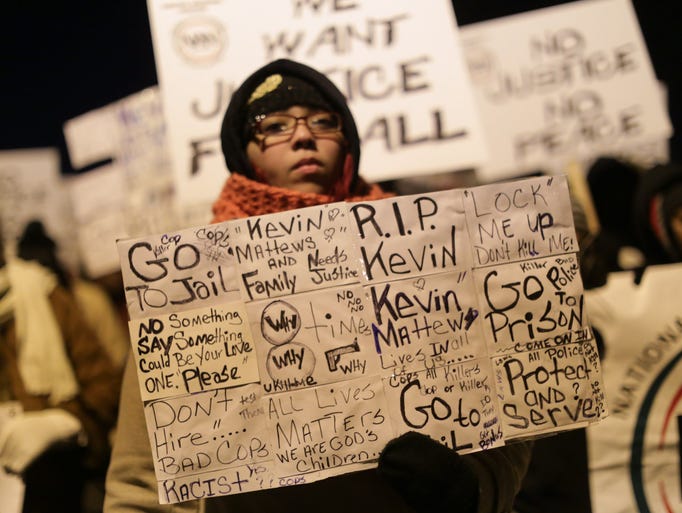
[(558, 85)]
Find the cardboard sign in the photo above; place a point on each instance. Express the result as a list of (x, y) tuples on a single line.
[(409, 94), (130, 190), (286, 253), (313, 338), (92, 137), (98, 197), (559, 84), (333, 329), (411, 235), (32, 188)]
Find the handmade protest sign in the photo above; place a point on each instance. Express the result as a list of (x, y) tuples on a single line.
[(128, 189), (190, 333), (192, 358), (430, 319), (532, 310), (300, 276), (454, 403), (292, 347), (582, 87), (417, 270), (410, 94), (534, 393), (313, 338), (521, 222), (331, 428), (178, 271), (197, 452), (97, 198), (297, 251), (31, 188), (546, 301), (412, 235)]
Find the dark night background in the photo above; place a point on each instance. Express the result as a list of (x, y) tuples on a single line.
[(62, 59)]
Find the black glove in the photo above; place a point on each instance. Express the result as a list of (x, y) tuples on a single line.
[(430, 477)]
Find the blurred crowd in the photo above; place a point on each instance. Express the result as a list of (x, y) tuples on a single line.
[(63, 343)]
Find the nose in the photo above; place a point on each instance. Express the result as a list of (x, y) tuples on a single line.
[(301, 131)]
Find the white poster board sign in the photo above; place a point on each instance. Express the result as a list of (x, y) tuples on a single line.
[(567, 82), (98, 203), (32, 188), (635, 454), (398, 63), (300, 343), (92, 137), (130, 190)]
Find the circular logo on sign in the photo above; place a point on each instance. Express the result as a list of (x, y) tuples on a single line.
[(482, 64), (200, 41)]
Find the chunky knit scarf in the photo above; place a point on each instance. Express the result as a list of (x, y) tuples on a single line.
[(243, 197), (43, 362)]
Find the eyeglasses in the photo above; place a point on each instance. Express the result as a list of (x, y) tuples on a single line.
[(280, 127)]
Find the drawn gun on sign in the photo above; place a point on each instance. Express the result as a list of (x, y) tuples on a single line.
[(334, 355)]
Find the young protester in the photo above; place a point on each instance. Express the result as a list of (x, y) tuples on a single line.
[(52, 365), (290, 141)]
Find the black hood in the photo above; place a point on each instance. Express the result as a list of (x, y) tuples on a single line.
[(662, 182), (232, 130)]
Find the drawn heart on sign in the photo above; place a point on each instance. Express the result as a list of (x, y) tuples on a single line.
[(329, 233), (419, 284), (333, 213)]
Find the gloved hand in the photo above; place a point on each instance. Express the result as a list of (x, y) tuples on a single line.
[(429, 476), (25, 437)]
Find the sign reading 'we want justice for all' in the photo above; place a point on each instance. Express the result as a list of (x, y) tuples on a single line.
[(410, 95), (287, 348)]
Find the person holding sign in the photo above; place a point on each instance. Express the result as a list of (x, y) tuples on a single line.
[(290, 141), (53, 371)]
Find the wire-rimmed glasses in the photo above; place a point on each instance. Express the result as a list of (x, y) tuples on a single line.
[(277, 127)]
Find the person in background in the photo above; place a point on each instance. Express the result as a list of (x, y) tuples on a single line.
[(96, 305), (290, 141), (658, 214), (52, 365), (612, 183)]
